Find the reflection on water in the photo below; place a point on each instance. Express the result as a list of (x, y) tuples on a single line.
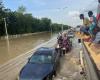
[(20, 45)]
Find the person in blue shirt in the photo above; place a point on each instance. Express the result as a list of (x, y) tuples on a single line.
[(93, 23)]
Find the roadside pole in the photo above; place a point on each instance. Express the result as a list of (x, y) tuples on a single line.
[(62, 28), (7, 37), (51, 30)]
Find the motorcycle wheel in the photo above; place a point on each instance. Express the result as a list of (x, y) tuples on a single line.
[(64, 52)]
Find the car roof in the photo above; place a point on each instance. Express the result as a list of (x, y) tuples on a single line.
[(44, 51)]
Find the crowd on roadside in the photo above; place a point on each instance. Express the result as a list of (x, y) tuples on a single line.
[(91, 26), (64, 43)]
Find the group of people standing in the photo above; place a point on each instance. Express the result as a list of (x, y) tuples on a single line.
[(64, 42), (91, 26)]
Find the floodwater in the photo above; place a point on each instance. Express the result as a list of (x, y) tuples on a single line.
[(69, 64), (18, 46), (11, 69)]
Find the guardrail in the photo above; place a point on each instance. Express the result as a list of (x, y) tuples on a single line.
[(92, 72)]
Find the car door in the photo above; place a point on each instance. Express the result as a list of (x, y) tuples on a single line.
[(56, 60)]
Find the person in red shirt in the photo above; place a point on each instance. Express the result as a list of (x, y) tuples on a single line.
[(98, 15), (98, 11)]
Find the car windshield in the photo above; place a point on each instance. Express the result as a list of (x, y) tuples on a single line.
[(41, 59)]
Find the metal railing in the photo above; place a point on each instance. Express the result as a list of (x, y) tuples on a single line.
[(92, 72)]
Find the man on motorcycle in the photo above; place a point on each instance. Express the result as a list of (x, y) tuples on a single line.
[(60, 39), (66, 43), (63, 44), (59, 43)]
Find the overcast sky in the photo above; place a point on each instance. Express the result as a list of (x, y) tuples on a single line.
[(54, 9)]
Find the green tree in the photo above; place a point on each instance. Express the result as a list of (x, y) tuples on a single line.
[(2, 15), (19, 22), (45, 24), (21, 9)]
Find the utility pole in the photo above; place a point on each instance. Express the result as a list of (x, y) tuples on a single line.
[(51, 31), (7, 37), (62, 28)]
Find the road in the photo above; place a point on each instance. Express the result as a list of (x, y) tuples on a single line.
[(69, 69)]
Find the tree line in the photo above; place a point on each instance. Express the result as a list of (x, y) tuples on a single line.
[(19, 22)]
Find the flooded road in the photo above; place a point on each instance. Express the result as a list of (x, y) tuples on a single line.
[(11, 69), (69, 67), (20, 45)]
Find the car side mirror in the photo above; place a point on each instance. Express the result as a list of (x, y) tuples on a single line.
[(79, 41)]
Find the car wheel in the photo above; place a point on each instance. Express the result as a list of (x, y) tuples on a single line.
[(64, 52), (49, 77), (55, 73)]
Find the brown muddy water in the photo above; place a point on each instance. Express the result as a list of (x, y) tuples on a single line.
[(20, 45)]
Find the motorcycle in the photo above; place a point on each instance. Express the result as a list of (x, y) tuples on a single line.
[(67, 45), (64, 50), (59, 49), (59, 45), (64, 45)]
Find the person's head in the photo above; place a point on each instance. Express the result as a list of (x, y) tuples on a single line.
[(81, 16), (98, 1), (90, 13), (65, 34)]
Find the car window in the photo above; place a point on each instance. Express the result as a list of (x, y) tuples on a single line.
[(41, 59)]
